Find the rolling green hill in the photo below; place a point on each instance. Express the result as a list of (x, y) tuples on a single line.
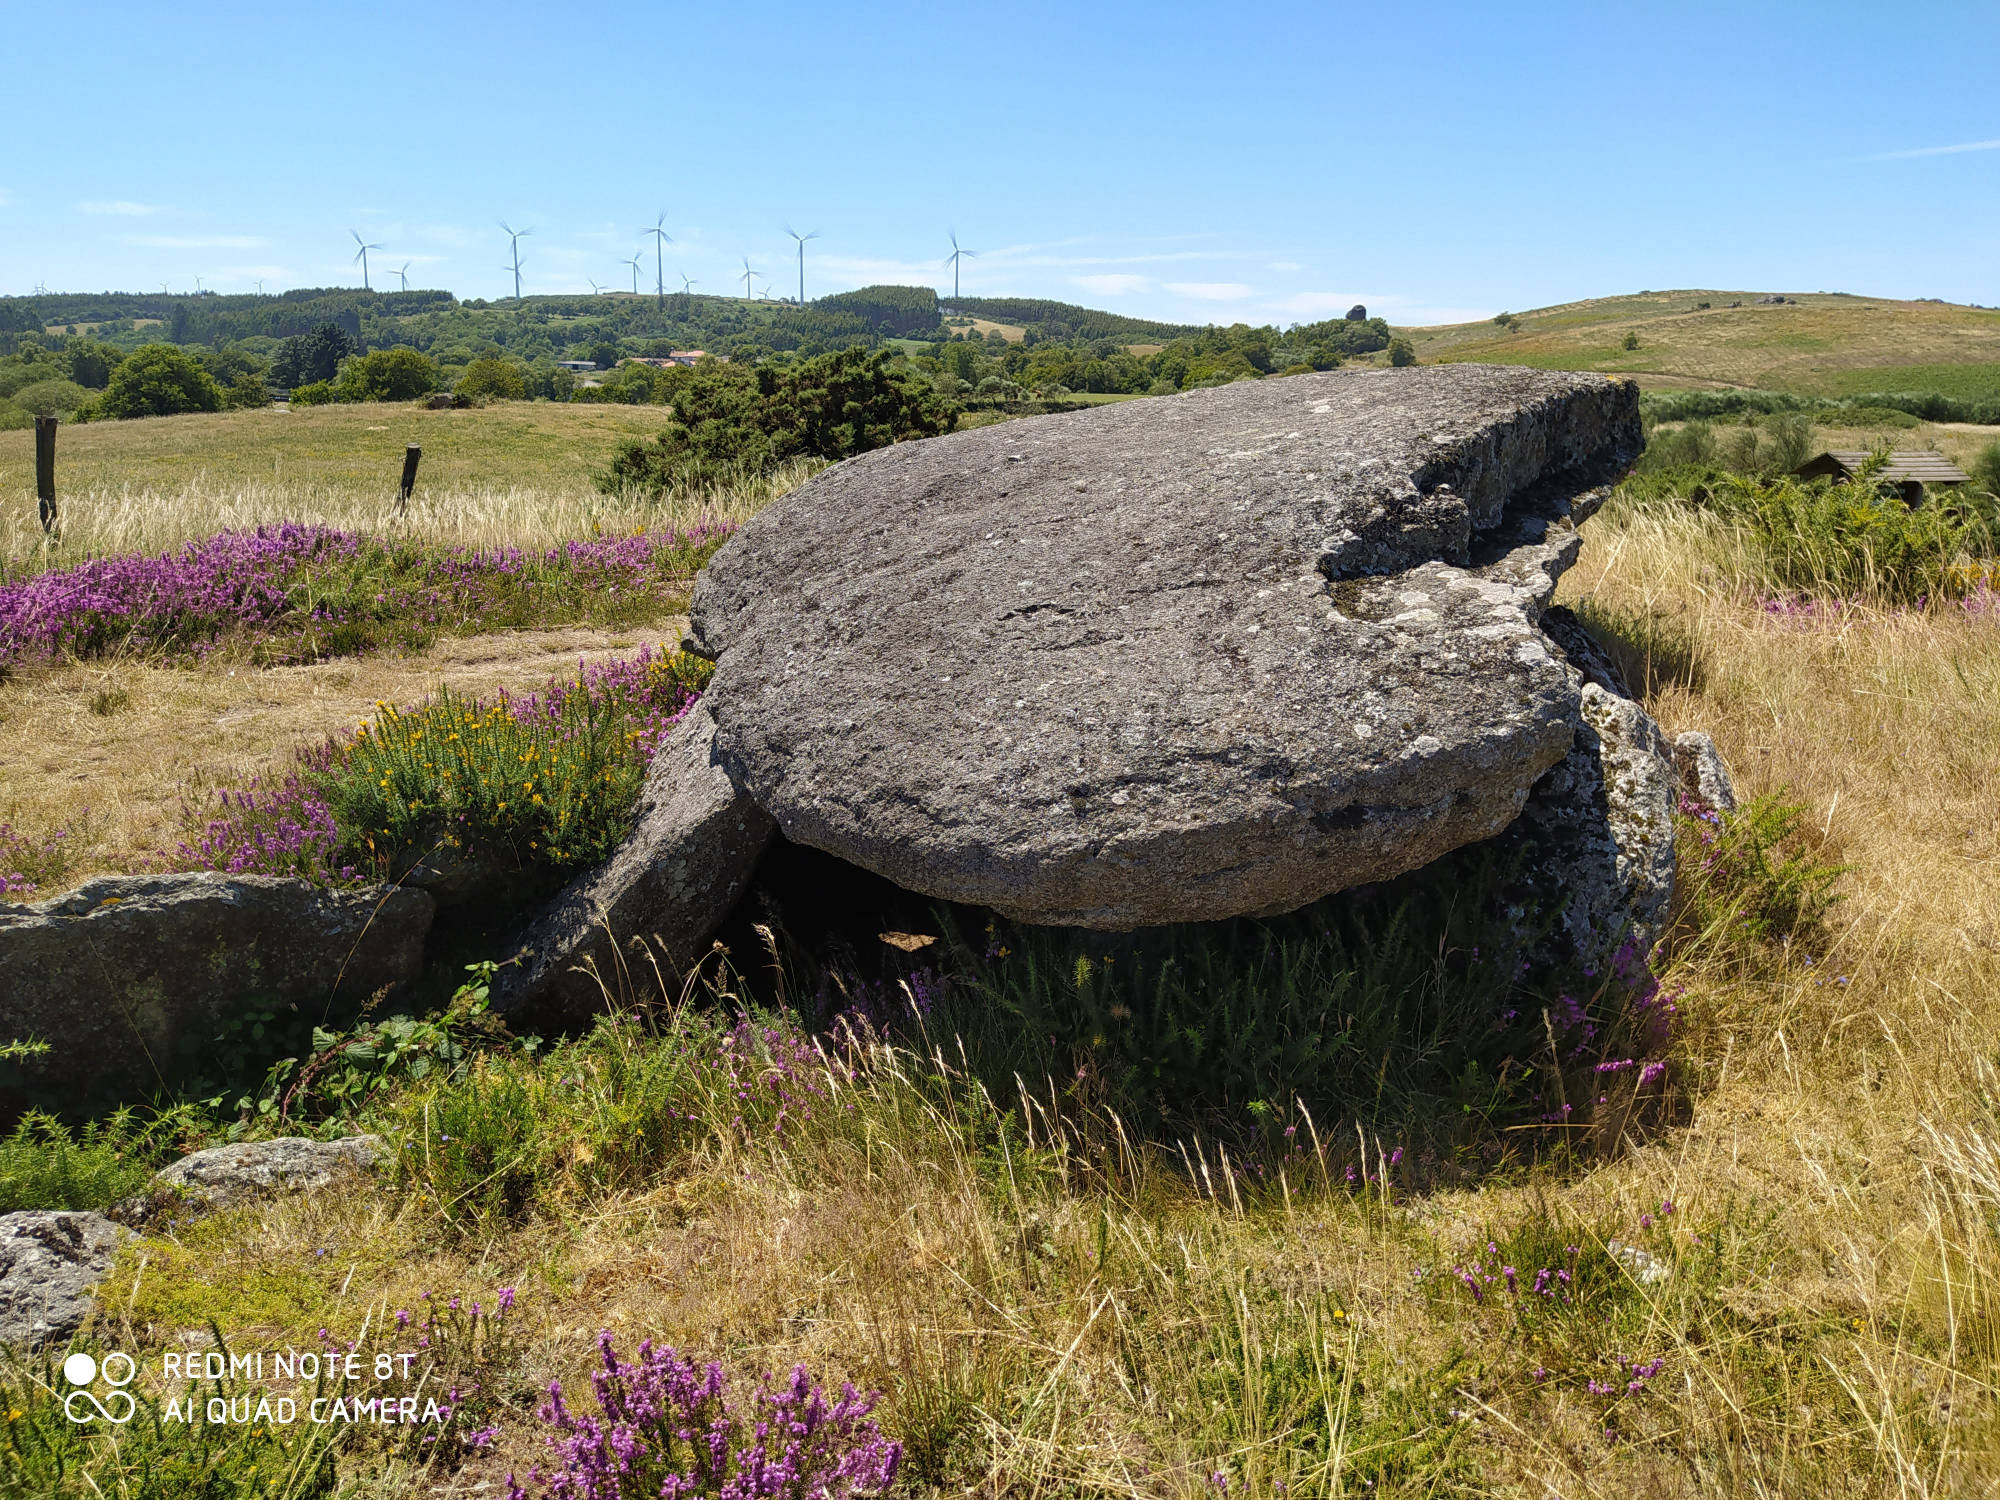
[(1814, 343)]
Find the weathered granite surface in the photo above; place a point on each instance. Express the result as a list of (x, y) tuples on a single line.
[(49, 1262), (127, 977), (1175, 659), (225, 1176), (693, 847)]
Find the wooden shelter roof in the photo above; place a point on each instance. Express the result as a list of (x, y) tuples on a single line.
[(1920, 466)]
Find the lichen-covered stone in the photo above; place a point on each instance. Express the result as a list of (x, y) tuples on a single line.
[(49, 1262), (1600, 828), (130, 978), (1702, 770), (226, 1176), (1171, 660)]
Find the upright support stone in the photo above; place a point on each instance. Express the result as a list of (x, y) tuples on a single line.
[(658, 898)]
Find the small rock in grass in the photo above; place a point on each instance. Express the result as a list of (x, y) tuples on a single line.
[(1702, 771), (1648, 1270)]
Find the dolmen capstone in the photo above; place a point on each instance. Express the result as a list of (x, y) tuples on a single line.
[(1169, 660)]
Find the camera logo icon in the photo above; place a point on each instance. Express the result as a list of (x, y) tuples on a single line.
[(81, 1371)]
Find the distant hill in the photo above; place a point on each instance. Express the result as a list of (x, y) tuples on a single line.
[(1079, 322), (1811, 343)]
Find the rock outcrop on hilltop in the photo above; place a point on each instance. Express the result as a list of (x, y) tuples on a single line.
[(1172, 660)]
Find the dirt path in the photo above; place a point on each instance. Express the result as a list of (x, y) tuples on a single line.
[(108, 750)]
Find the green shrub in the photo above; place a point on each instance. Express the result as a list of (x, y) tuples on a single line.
[(1401, 353), (731, 421), (315, 393), (1747, 878), (51, 398), (1985, 468), (46, 1165), (1692, 443), (546, 782), (1851, 541), (397, 374), (13, 418), (158, 380), (247, 392), (492, 378)]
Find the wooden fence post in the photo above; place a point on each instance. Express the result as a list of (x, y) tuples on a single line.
[(45, 471), (410, 457)]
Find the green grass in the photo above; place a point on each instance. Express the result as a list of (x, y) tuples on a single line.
[(1964, 382)]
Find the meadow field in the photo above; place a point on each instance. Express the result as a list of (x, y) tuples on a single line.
[(1785, 1281), (1814, 343)]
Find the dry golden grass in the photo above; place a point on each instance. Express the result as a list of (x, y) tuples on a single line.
[(1107, 1326), (513, 474), (110, 750)]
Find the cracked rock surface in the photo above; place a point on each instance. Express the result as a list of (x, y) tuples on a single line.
[(49, 1262), (1170, 660)]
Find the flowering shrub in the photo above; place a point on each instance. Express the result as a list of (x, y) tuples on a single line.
[(27, 864), (298, 592), (671, 1428), (545, 780)]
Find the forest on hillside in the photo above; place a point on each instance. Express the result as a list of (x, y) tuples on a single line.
[(85, 355)]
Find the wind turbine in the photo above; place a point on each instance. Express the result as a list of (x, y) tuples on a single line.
[(402, 274), (687, 284), (634, 264), (802, 238), (260, 286), (953, 259), (595, 289), (747, 274), (197, 286), (660, 239), (514, 238), (362, 256)]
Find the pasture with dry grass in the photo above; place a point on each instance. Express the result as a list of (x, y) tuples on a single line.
[(1778, 1277)]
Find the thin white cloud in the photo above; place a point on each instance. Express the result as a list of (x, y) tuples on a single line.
[(121, 208), (200, 241), (1286, 265), (1934, 151), (6, 198), (1211, 291), (1113, 284)]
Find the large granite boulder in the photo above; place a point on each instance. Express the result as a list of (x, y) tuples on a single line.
[(694, 845), (49, 1262), (1169, 660), (131, 978)]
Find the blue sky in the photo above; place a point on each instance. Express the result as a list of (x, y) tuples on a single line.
[(1266, 162)]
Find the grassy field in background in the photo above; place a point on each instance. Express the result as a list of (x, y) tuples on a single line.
[(509, 474), (1820, 344), (350, 450)]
